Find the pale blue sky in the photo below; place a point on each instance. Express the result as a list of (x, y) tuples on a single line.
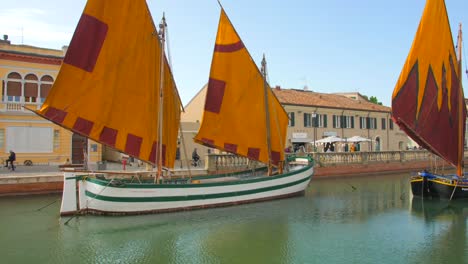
[(328, 46)]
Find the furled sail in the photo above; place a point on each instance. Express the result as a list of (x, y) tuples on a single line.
[(108, 86), (234, 117), (428, 101)]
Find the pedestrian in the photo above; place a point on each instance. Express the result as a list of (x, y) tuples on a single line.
[(195, 157), (11, 159)]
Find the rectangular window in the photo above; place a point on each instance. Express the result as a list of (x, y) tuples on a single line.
[(307, 120), (56, 139), (347, 121), (383, 123), (363, 123), (390, 124), (291, 119), (372, 123), (319, 120), (337, 121), (30, 139)]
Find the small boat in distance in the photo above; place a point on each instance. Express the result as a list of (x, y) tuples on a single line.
[(121, 93), (429, 105)]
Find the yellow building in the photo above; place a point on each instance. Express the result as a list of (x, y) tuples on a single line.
[(27, 74)]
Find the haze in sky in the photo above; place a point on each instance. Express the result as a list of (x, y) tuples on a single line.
[(326, 46)]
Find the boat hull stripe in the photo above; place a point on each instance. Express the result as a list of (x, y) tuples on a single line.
[(192, 197)]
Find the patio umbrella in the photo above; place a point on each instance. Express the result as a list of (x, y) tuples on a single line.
[(330, 139), (358, 139)]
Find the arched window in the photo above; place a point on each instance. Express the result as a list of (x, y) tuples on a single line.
[(13, 87), (31, 88), (46, 84)]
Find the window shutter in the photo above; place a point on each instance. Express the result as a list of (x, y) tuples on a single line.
[(360, 122), (292, 119), (352, 122), (325, 121), (367, 122), (334, 121)]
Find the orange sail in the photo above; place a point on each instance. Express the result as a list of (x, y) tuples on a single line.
[(108, 86), (234, 118), (428, 101)]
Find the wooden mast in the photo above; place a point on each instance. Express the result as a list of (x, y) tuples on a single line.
[(267, 112), (461, 104), (162, 36)]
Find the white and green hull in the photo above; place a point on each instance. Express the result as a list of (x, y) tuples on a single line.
[(104, 197)]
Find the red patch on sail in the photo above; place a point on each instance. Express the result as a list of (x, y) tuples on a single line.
[(230, 47), (133, 145), (214, 95), (275, 157), (55, 115), (86, 43), (83, 126), (108, 136), (155, 153), (208, 142), (253, 153), (230, 147)]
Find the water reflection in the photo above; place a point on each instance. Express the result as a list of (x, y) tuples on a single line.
[(445, 225), (353, 220)]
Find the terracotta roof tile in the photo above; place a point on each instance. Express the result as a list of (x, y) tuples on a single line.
[(309, 98)]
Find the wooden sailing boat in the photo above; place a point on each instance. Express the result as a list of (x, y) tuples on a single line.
[(115, 82), (428, 102)]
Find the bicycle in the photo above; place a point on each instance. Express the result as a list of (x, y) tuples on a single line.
[(196, 163), (11, 166)]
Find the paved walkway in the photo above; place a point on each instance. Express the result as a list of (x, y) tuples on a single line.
[(44, 170)]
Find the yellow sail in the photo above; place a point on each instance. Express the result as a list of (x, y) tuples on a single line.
[(234, 118), (428, 101), (108, 86)]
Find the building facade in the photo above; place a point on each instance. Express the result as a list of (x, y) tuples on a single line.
[(27, 74), (313, 116)]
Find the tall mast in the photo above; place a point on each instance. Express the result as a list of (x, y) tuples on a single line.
[(461, 136), (267, 112), (162, 37)]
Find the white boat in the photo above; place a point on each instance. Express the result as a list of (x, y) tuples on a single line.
[(121, 92)]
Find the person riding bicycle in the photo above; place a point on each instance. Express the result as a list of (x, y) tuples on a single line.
[(195, 157), (11, 159)]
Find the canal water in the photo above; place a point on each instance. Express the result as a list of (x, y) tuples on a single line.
[(354, 220)]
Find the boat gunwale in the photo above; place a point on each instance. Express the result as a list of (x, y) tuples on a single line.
[(197, 185)]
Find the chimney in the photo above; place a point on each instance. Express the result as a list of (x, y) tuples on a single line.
[(5, 37), (278, 87)]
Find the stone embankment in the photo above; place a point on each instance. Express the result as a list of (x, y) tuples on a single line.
[(49, 179)]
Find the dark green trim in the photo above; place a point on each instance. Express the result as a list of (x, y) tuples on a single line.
[(198, 185), (192, 197)]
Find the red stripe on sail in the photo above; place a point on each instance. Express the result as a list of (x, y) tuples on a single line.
[(86, 43), (108, 136), (55, 115), (214, 95), (83, 126), (208, 142), (253, 153), (153, 157), (230, 147), (275, 157), (133, 145), (230, 47)]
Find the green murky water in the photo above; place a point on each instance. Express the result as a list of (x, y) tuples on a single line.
[(357, 220)]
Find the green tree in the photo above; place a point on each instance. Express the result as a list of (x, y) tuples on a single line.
[(374, 100)]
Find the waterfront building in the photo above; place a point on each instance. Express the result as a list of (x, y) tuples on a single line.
[(27, 74), (313, 116)]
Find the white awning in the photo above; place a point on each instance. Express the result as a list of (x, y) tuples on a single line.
[(301, 140)]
